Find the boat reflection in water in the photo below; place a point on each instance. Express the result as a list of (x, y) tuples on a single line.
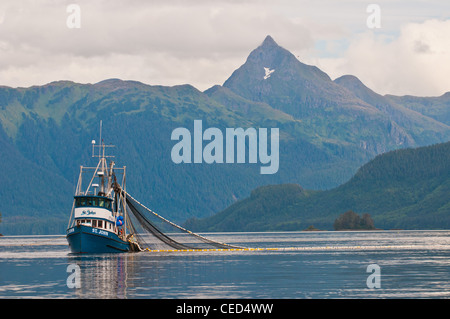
[(103, 276)]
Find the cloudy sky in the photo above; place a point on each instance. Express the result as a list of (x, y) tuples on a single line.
[(201, 42)]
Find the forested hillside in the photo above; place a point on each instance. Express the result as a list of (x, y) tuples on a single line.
[(406, 189)]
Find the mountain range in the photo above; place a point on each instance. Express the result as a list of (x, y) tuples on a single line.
[(407, 189), (328, 129)]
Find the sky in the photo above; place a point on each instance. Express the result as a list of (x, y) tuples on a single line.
[(402, 49)]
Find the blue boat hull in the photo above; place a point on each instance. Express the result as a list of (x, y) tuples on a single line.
[(85, 239)]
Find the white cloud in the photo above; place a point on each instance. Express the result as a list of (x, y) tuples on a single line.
[(156, 42), (414, 63), (202, 42)]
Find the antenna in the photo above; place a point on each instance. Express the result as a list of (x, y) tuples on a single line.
[(93, 146), (101, 147), (101, 141)]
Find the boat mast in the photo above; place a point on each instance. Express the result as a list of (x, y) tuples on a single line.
[(101, 155), (106, 172)]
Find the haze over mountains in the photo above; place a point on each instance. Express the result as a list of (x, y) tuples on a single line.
[(328, 129)]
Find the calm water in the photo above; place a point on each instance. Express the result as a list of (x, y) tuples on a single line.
[(413, 264)]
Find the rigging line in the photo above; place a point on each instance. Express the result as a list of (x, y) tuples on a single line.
[(181, 228)]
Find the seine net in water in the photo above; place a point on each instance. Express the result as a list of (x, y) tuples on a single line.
[(153, 232)]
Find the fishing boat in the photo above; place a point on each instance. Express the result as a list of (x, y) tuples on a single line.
[(106, 219), (98, 220)]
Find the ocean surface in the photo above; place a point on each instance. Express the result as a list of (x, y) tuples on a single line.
[(375, 264)]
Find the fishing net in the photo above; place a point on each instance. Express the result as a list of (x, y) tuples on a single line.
[(153, 232)]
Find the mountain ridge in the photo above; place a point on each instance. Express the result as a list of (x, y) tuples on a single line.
[(405, 188), (308, 94)]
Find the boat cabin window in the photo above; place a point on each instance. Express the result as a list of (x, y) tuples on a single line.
[(104, 224), (93, 202), (86, 222)]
